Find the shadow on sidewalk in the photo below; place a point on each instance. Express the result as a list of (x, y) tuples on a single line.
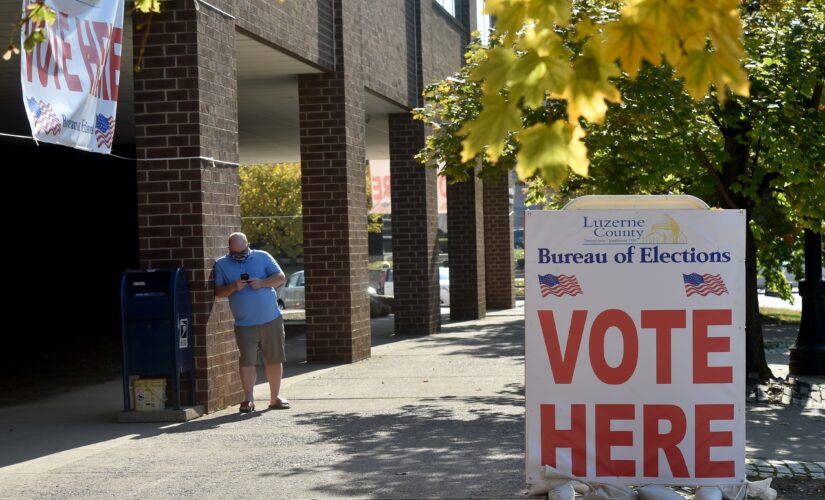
[(423, 450), (495, 340), (382, 332), (69, 417), (785, 433), (33, 431)]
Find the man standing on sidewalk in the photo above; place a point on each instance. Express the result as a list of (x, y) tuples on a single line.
[(249, 278)]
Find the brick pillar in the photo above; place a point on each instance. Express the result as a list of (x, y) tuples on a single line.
[(414, 230), (465, 239), (333, 183), (185, 106), (499, 272)]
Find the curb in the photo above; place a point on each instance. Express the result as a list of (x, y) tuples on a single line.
[(757, 468)]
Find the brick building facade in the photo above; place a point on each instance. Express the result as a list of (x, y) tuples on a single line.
[(347, 61)]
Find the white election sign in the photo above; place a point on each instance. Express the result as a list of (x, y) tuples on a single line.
[(635, 342), (70, 82)]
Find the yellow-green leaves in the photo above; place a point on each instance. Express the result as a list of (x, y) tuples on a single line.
[(680, 30), (39, 14), (37, 36), (549, 12), (698, 72), (632, 40), (551, 150), (147, 6), (725, 28), (496, 69), (700, 69), (511, 15), (701, 39), (497, 118), (589, 90), (539, 72), (270, 200)]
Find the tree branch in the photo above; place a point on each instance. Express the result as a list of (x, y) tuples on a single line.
[(816, 98), (714, 175), (674, 135), (757, 150), (716, 121), (666, 189), (764, 186)]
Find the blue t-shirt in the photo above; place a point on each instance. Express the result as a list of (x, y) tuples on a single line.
[(250, 307)]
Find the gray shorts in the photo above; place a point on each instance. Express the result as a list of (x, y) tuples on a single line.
[(268, 338)]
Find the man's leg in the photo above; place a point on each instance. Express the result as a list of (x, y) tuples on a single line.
[(247, 341), (274, 373), (248, 376), (272, 345)]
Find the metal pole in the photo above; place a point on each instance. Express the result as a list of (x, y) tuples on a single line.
[(808, 353)]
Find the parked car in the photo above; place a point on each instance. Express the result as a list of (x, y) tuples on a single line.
[(292, 294), (443, 284)]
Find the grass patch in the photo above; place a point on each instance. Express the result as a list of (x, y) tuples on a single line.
[(519, 285), (780, 316)]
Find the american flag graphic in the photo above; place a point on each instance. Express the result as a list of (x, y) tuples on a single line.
[(559, 285), (45, 121), (704, 284), (104, 130)]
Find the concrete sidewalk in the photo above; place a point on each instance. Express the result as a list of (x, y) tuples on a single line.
[(438, 416)]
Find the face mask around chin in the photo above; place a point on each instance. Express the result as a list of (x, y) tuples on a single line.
[(239, 256)]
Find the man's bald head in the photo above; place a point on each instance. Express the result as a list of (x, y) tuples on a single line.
[(238, 242)]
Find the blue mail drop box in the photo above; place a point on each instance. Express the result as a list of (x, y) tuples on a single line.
[(156, 328)]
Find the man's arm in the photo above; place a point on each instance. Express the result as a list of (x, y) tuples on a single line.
[(273, 281), (223, 291)]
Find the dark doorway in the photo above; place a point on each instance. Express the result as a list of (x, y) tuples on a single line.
[(71, 228)]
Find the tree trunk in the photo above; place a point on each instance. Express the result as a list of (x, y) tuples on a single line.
[(737, 146), (755, 362)]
